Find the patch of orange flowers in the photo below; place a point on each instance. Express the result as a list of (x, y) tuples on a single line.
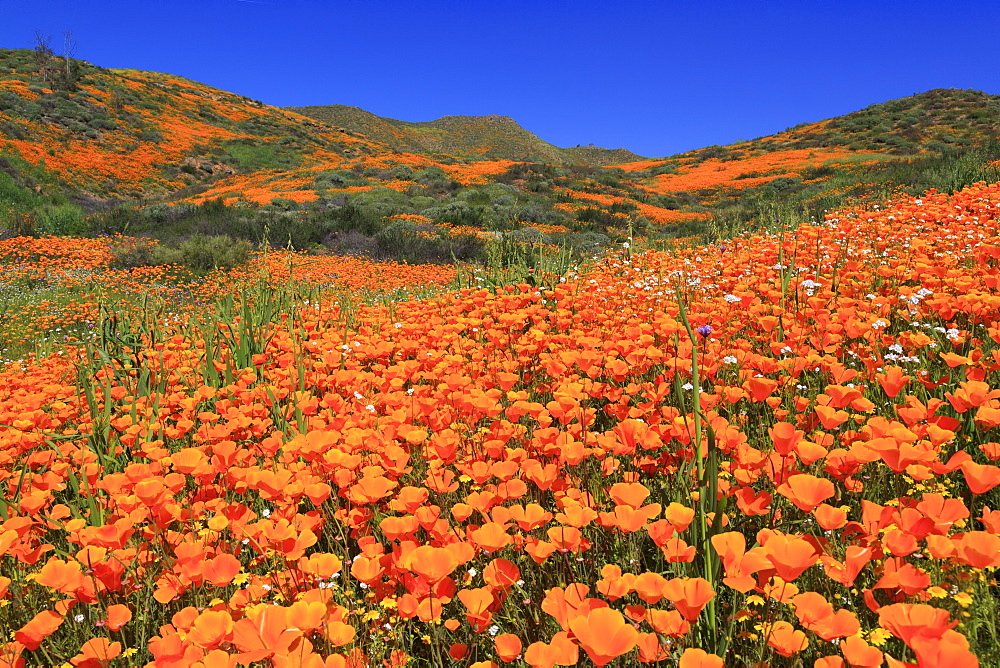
[(653, 213), (477, 171), (713, 173), (520, 474)]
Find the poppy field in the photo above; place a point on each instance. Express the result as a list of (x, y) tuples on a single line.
[(775, 450)]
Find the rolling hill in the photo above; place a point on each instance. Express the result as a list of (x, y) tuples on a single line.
[(497, 137), (125, 134), (125, 151)]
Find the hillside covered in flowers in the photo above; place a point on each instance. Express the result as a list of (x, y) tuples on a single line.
[(131, 152)]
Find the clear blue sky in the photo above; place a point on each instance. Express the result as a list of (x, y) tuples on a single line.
[(657, 77)]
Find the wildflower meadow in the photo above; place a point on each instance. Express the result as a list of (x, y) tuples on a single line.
[(773, 450)]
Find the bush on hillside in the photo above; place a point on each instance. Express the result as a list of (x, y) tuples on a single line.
[(199, 252), (204, 253), (129, 252), (403, 241)]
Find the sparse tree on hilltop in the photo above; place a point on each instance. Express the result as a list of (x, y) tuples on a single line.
[(64, 76), (43, 55), (70, 73)]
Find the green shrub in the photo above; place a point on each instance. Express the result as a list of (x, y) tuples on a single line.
[(525, 235), (595, 216), (210, 252), (118, 220), (128, 252), (204, 253), (162, 255), (284, 204), (338, 179), (22, 224), (582, 245), (784, 185), (665, 168), (13, 194), (250, 156), (622, 207), (611, 177), (457, 212), (402, 173), (432, 177), (103, 123), (663, 201), (62, 220), (402, 241)]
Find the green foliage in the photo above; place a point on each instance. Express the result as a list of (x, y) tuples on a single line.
[(284, 204), (403, 241), (595, 216), (335, 179), (952, 170), (255, 155), (201, 252), (669, 202), (172, 224), (784, 185), (434, 178), (402, 172), (15, 196), (457, 212), (117, 220), (582, 245), (61, 220), (129, 252), (26, 211)]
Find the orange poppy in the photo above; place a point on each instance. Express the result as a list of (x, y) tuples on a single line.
[(790, 555), (699, 658), (508, 646), (689, 595), (433, 563), (211, 629), (981, 478), (491, 537), (118, 616), (501, 574), (604, 634), (97, 653), (41, 626), (786, 639), (806, 491), (859, 653), (560, 651)]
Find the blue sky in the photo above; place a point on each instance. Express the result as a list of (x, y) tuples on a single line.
[(656, 77)]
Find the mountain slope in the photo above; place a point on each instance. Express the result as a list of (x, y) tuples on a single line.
[(935, 120), (85, 141), (126, 134), (943, 139), (496, 137)]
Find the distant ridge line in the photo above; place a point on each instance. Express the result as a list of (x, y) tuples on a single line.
[(492, 136)]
